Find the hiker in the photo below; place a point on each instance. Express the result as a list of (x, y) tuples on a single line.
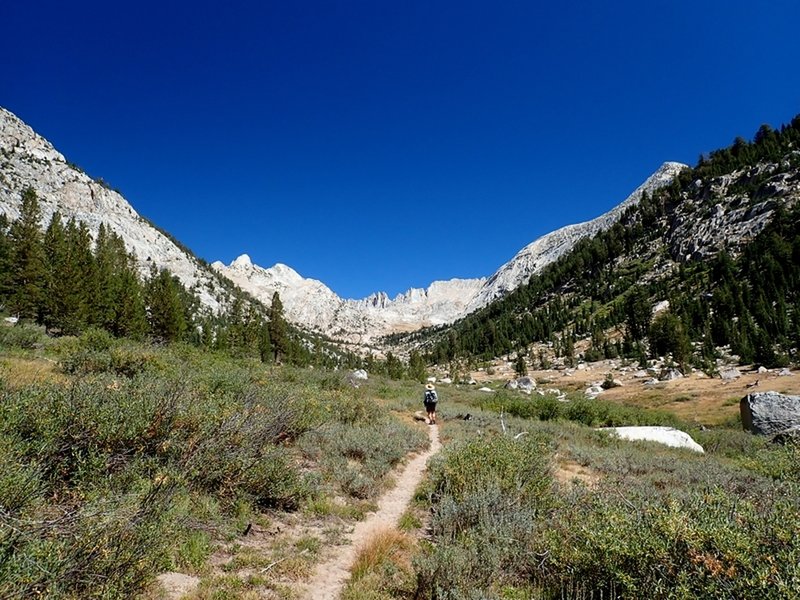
[(430, 400)]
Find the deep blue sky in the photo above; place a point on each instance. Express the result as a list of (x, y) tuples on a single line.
[(381, 145)]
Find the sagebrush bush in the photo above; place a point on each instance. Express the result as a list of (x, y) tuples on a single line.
[(659, 523), (22, 336)]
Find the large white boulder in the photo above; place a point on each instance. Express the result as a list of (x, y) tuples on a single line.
[(669, 436)]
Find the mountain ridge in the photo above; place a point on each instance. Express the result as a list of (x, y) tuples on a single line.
[(366, 320)]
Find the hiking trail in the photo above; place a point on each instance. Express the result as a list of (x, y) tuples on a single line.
[(330, 576)]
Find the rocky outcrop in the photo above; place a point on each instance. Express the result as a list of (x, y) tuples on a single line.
[(769, 413), (730, 210)]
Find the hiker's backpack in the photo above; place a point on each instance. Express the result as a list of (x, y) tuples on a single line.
[(430, 396)]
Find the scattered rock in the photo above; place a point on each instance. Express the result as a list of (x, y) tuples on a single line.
[(671, 375), (652, 381), (784, 373), (485, 389), (356, 377), (730, 374), (669, 436), (660, 307), (526, 384), (769, 413), (445, 380), (11, 320), (611, 383), (641, 374), (431, 380), (360, 374)]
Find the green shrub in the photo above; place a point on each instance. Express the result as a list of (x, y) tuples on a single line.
[(22, 336)]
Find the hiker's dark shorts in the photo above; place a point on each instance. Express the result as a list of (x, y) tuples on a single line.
[(430, 406)]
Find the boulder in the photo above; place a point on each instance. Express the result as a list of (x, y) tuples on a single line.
[(431, 379), (769, 413), (485, 389), (359, 374), (445, 380), (762, 369), (669, 436), (526, 384), (670, 375), (784, 373), (730, 374), (511, 385)]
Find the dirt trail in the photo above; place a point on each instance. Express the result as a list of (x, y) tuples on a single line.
[(330, 576)]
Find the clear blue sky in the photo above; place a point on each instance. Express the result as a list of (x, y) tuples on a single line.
[(381, 145)]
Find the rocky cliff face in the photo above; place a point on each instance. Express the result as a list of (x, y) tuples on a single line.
[(310, 302), (729, 211), (313, 304), (27, 159)]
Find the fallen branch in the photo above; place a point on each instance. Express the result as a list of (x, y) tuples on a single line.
[(279, 561)]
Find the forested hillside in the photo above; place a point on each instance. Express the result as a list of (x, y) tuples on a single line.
[(64, 280), (720, 244)]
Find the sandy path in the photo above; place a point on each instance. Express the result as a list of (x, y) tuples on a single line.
[(330, 576)]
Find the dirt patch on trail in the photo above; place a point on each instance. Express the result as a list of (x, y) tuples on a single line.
[(332, 574)]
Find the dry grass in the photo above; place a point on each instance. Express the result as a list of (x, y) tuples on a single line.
[(19, 372), (386, 545)]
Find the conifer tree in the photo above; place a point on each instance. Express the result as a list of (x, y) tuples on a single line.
[(27, 273), (278, 329), (416, 366), (5, 257), (165, 308)]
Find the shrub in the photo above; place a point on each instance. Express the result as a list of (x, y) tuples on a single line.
[(22, 336)]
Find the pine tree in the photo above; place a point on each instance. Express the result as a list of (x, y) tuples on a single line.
[(27, 273), (5, 257), (416, 366), (165, 308), (277, 329), (519, 366)]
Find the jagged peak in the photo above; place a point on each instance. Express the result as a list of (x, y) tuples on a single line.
[(242, 262)]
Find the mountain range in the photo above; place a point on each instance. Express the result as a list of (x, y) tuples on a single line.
[(29, 160), (313, 304)]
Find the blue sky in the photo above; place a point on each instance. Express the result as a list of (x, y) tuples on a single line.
[(381, 145)]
